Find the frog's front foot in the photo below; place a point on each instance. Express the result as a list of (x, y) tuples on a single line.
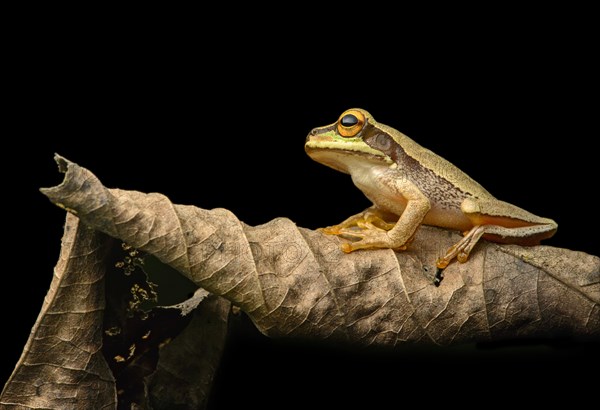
[(370, 238), (331, 230)]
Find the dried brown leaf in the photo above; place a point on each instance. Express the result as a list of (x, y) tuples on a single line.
[(295, 282), (64, 362), (62, 366)]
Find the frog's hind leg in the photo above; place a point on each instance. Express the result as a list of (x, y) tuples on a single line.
[(499, 222), (462, 248)]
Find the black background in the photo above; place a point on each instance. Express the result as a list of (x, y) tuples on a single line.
[(224, 126)]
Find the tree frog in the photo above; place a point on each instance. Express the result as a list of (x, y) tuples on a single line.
[(409, 185)]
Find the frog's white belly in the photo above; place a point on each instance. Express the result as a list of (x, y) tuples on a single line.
[(377, 183)]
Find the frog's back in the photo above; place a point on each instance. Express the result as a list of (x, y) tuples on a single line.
[(432, 173)]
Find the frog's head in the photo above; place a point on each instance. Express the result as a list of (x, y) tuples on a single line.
[(342, 145)]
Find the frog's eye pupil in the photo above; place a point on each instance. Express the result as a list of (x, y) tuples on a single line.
[(350, 123), (349, 120)]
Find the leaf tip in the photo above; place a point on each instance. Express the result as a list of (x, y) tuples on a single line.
[(63, 163), (63, 167)]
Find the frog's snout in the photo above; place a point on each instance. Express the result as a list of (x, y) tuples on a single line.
[(312, 133)]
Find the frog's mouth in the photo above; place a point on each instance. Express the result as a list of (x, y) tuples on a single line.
[(344, 160)]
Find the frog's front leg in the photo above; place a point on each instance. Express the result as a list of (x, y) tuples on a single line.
[(397, 238), (500, 222)]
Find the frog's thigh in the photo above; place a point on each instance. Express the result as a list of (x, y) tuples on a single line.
[(502, 220)]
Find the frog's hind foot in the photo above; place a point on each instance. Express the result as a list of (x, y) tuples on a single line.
[(460, 250)]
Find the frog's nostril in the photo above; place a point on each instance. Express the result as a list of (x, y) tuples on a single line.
[(313, 131)]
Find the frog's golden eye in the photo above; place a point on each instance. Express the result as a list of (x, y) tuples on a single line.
[(350, 123)]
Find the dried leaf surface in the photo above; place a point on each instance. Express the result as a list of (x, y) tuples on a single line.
[(64, 362), (62, 366), (295, 282)]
